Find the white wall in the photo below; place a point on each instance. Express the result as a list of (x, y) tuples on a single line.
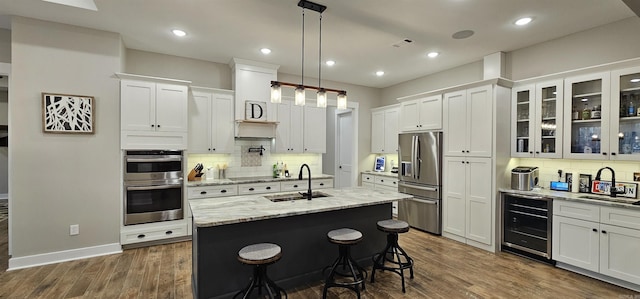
[(199, 72), (63, 179), (5, 45), (329, 158)]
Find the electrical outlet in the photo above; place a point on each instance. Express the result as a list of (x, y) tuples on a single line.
[(74, 229)]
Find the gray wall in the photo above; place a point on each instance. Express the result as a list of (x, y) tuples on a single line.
[(199, 72), (63, 179), (5, 45), (459, 75), (609, 43)]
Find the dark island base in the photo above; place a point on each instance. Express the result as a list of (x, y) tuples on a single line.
[(305, 249)]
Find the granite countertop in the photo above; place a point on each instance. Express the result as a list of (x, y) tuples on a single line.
[(385, 173), (256, 179), (236, 209), (604, 200)]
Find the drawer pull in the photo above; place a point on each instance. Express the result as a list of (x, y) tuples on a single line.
[(321, 184), (223, 191), (251, 189), (595, 230), (295, 186), (140, 236), (268, 188), (203, 192), (395, 183), (604, 232), (381, 181), (168, 232)]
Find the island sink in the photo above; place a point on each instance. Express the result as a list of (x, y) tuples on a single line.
[(295, 196)]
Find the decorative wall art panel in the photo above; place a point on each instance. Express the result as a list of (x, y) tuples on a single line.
[(64, 113)]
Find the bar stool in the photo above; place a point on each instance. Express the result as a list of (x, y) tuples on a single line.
[(260, 255), (354, 275), (393, 253)]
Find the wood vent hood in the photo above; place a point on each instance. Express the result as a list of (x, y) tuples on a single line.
[(255, 129)]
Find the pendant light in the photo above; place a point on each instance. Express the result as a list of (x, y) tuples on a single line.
[(321, 95)]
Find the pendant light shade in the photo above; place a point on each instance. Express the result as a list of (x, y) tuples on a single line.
[(299, 97), (276, 92), (322, 98), (342, 100)]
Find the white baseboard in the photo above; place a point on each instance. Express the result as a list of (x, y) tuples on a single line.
[(16, 263)]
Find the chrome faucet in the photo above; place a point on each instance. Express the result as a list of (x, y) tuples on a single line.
[(300, 178), (612, 190)]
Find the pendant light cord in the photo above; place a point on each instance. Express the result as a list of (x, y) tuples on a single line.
[(302, 68), (320, 53)]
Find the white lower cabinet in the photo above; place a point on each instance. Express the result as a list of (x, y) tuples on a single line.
[(154, 231), (382, 182), (467, 204), (600, 239)]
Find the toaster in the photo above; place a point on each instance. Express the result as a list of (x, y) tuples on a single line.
[(524, 178)]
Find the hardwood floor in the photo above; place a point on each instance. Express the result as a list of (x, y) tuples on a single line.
[(443, 269)]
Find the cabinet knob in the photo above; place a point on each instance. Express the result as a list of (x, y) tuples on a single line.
[(268, 188), (141, 236), (531, 152), (321, 184), (168, 232), (462, 162), (420, 126), (158, 126), (306, 149), (613, 154), (417, 126), (214, 149), (604, 232), (153, 126), (223, 191), (467, 151), (251, 189), (604, 153), (295, 186), (595, 230), (209, 149), (381, 181), (467, 162), (537, 153), (463, 151), (203, 192)]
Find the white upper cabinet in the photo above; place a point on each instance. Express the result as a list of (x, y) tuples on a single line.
[(537, 116), (289, 132), (315, 129), (468, 122), (586, 133), (421, 114), (384, 130), (211, 122), (155, 108), (624, 140)]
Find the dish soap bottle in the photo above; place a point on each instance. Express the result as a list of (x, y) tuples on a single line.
[(275, 170), (286, 171)]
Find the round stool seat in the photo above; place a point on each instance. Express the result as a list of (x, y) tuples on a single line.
[(393, 226), (344, 236), (259, 254)]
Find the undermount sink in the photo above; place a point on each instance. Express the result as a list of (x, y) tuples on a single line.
[(295, 196)]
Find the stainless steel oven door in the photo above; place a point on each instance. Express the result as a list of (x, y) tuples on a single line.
[(152, 165), (153, 201)]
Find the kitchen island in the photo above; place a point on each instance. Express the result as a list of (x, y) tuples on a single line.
[(222, 226)]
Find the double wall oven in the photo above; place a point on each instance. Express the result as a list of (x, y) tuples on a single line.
[(153, 186)]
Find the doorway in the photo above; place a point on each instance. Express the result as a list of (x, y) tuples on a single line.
[(344, 149), (4, 168)]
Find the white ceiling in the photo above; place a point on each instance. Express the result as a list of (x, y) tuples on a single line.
[(357, 34)]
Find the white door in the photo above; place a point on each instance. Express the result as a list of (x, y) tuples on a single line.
[(315, 129), (137, 109), (390, 131), (480, 121), (222, 124), (617, 244), (344, 150), (479, 200), (377, 132), (455, 123), (576, 242), (200, 123), (454, 196), (171, 108)]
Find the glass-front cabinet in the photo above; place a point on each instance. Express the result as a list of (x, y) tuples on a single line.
[(587, 108), (625, 115), (537, 115)]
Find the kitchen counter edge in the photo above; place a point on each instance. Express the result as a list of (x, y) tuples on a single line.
[(216, 182), (569, 196)]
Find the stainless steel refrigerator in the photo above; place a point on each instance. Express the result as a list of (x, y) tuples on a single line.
[(420, 175)]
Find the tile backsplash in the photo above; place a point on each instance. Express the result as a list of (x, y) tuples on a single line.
[(257, 165), (549, 168)]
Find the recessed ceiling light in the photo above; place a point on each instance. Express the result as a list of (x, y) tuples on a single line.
[(433, 54), (379, 73), (178, 32), (265, 51), (330, 62), (585, 100), (635, 80), (523, 21)]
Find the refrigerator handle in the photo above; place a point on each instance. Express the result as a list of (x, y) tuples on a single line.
[(418, 159), (413, 155)]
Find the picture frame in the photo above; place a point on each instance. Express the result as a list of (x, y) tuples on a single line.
[(255, 111), (68, 114), (584, 183)]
